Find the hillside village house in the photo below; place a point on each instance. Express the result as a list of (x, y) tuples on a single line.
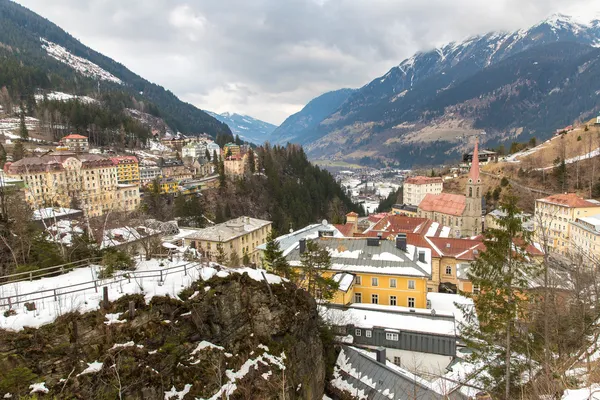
[(148, 173), (240, 236), (235, 166), (212, 147), (492, 218), (128, 169), (174, 169), (231, 149), (415, 188), (76, 143), (585, 237), (463, 214), (373, 271), (63, 179), (553, 217), (194, 150)]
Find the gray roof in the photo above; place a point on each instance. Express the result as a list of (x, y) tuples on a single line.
[(356, 369), (290, 241), (355, 255), (229, 230)]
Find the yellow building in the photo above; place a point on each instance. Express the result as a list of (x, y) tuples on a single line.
[(385, 272), (585, 237), (231, 149), (237, 237), (235, 166), (553, 217), (167, 186), (128, 169), (83, 181)]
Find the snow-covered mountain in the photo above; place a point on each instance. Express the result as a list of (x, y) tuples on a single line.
[(439, 95), (248, 128)]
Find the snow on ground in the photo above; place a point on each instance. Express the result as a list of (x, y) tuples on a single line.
[(92, 368), (591, 154), (589, 393), (155, 145), (54, 301), (9, 127), (174, 394), (38, 388), (60, 96), (79, 64)]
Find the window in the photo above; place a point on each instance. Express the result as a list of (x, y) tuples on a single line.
[(448, 270), (391, 336), (358, 280), (374, 299), (368, 333), (392, 300), (476, 289), (374, 281), (358, 297), (392, 282), (411, 284), (411, 302), (397, 361), (357, 332)]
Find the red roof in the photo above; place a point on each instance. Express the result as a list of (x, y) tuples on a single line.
[(75, 136), (474, 172), (374, 218), (569, 200), (116, 160), (345, 229), (352, 214), (422, 180), (445, 203), (459, 248)]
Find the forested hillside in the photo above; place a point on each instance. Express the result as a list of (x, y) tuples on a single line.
[(21, 34)]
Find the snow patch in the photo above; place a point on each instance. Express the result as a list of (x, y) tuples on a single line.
[(92, 368)]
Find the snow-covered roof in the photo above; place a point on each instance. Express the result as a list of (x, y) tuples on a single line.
[(229, 230), (53, 212), (289, 242)]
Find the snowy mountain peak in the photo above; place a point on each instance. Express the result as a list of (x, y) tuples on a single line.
[(248, 128)]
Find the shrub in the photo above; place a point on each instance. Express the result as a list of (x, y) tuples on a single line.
[(117, 260), (16, 380)]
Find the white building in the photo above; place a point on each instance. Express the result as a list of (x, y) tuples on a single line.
[(148, 173), (416, 188), (212, 147), (194, 150)]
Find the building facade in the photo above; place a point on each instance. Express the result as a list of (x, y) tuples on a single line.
[(235, 166), (128, 170), (234, 238), (585, 237), (148, 173), (213, 148), (554, 215), (76, 143), (82, 181), (231, 149), (194, 150), (416, 188)]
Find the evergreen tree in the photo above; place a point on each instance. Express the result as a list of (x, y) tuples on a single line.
[(316, 262), (246, 259), (221, 256), (2, 156), (18, 151), (251, 162), (274, 260), (222, 177), (560, 172), (215, 159), (502, 274), (234, 259), (207, 155), (238, 141), (23, 132)]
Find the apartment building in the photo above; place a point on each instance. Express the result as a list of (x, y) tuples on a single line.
[(194, 150), (239, 236), (128, 170), (416, 188), (235, 166), (231, 149), (83, 181), (554, 215), (76, 143), (585, 237), (148, 173)]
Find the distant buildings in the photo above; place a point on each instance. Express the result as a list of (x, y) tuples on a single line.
[(416, 188), (148, 173), (235, 166), (462, 213), (236, 238), (231, 149), (194, 150), (492, 218), (174, 169), (128, 170), (76, 143), (405, 209), (585, 237), (554, 215), (213, 148), (83, 181)]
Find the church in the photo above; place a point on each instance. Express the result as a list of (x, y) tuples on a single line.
[(461, 213)]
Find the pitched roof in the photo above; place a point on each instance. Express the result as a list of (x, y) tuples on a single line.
[(229, 230), (445, 203), (352, 214), (346, 229), (422, 180), (75, 136), (569, 200), (474, 172)]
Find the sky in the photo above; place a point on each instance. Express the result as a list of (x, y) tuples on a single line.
[(268, 58)]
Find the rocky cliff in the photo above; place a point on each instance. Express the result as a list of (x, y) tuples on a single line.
[(231, 337)]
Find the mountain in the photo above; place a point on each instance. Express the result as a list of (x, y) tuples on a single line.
[(60, 62), (249, 129), (302, 126), (512, 85)]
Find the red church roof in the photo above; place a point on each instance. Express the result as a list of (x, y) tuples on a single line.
[(474, 172), (445, 203), (75, 136)]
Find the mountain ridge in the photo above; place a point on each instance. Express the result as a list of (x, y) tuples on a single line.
[(249, 129)]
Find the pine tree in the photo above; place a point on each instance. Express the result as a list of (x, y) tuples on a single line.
[(251, 162), (215, 159), (221, 256), (501, 273), (316, 262), (2, 156), (222, 177), (18, 151), (207, 155), (238, 141), (274, 260), (23, 132)]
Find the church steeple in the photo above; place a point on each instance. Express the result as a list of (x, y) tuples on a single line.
[(473, 197), (474, 172)]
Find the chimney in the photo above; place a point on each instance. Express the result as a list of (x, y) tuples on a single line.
[(302, 246), (401, 242), (380, 351)]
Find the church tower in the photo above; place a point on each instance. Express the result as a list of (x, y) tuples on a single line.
[(474, 192)]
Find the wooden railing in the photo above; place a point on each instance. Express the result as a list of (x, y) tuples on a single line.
[(95, 284), (50, 271)]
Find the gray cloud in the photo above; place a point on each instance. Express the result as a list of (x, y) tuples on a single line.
[(267, 58)]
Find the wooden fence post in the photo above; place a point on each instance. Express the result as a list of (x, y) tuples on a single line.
[(105, 296)]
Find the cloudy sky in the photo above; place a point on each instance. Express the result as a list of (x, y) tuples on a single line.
[(267, 58)]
